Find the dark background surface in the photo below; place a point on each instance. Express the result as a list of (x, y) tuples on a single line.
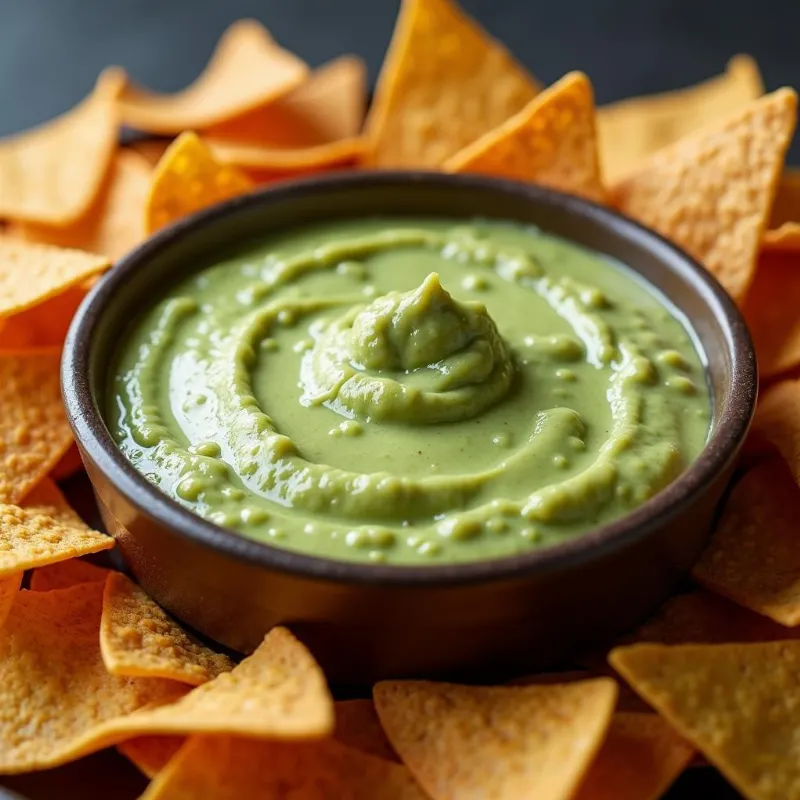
[(52, 50)]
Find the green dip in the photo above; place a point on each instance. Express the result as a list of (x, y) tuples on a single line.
[(410, 391)]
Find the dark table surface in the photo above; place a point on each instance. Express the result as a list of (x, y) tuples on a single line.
[(52, 50)]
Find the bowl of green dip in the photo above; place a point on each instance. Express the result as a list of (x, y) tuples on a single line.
[(434, 423)]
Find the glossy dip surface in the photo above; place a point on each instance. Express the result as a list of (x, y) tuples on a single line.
[(410, 391)]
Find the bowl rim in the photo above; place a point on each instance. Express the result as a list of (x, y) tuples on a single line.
[(93, 437)]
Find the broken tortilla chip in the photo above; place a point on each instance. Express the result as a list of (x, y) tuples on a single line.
[(44, 530), (150, 754), (189, 178), (776, 423), (53, 173), (114, 225), (138, 639), (770, 309), (631, 130), (513, 741), (34, 432), (9, 588), (55, 689), (552, 141), (639, 760), (754, 554), (358, 726), (64, 574), (247, 69), (737, 703), (33, 273), (783, 230), (445, 82), (227, 768), (696, 193)]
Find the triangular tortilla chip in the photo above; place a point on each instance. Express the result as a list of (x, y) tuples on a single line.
[(698, 192), (53, 173), (633, 129), (513, 742), (64, 574), (358, 726), (9, 588), (54, 688), (34, 432), (115, 224), (32, 273), (44, 530), (783, 230), (150, 754), (189, 178), (314, 126), (247, 69), (444, 83), (754, 555), (776, 423), (228, 768), (639, 760), (737, 703), (139, 640), (552, 141)]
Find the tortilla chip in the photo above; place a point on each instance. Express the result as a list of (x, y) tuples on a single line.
[(737, 703), (512, 741), (138, 639), (754, 555), (34, 432), (445, 82), (314, 126), (700, 617), (777, 424), (150, 150), (54, 688), (65, 574), (150, 754), (33, 273), (68, 464), (639, 760), (632, 130), (697, 193), (43, 531), (9, 588), (279, 692), (114, 225), (783, 230), (552, 141), (247, 69), (771, 310), (187, 179), (358, 726), (227, 768), (53, 173)]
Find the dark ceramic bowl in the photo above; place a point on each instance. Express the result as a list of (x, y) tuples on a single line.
[(365, 622)]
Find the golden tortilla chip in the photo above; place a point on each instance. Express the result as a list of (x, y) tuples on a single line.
[(33, 273), (316, 125), (737, 703), (53, 173), (445, 82), (771, 310), (631, 130), (9, 588), (639, 760), (150, 754), (783, 230), (227, 768), (44, 530), (754, 555), (114, 225), (34, 432), (279, 692), (247, 69), (700, 617), (64, 574), (187, 179), (512, 741), (552, 141), (697, 193), (54, 688), (138, 639), (358, 726), (68, 464), (776, 424)]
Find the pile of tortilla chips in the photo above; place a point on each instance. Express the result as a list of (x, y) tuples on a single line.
[(89, 661)]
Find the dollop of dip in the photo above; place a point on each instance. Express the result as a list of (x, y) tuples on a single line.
[(410, 391)]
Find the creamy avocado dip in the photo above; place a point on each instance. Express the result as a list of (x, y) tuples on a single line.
[(410, 391)]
